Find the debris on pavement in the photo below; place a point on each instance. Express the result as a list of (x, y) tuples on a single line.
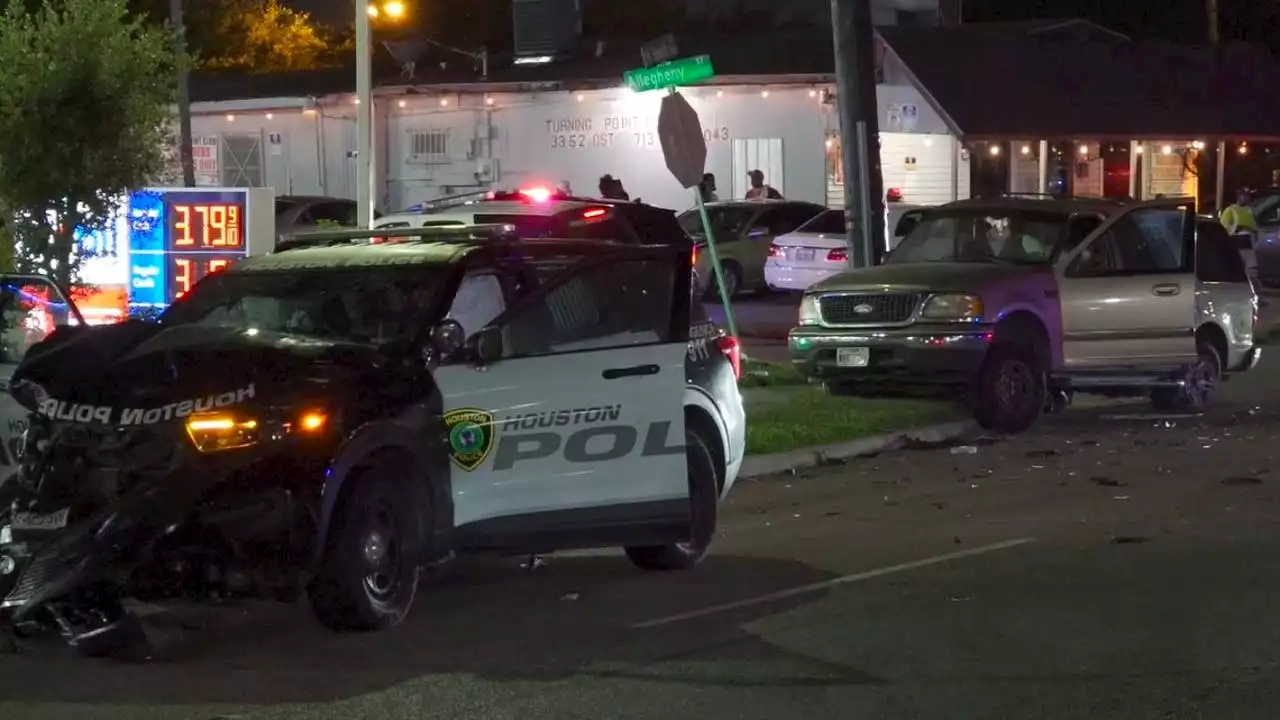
[(964, 450), (570, 596)]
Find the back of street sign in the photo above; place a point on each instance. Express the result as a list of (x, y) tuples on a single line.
[(683, 146)]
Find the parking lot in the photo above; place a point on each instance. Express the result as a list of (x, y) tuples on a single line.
[(1111, 564)]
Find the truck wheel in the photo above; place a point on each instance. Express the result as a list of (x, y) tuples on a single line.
[(704, 503), (369, 574), (1200, 384), (1010, 392)]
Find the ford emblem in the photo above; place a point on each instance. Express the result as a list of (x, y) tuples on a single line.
[(862, 309)]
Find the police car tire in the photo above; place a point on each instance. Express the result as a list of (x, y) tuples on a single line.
[(340, 599), (704, 496)]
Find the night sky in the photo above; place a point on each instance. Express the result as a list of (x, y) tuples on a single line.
[(1178, 20)]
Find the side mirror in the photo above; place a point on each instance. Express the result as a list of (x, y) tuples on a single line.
[(486, 345), (448, 338)]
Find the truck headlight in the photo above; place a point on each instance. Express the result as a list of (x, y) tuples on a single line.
[(809, 310), (957, 308)]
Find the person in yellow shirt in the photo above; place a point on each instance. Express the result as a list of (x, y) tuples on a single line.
[(1238, 217)]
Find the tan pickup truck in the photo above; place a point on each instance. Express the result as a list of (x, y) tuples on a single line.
[(1014, 304)]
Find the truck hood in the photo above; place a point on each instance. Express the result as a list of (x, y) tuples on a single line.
[(928, 276), (104, 373)]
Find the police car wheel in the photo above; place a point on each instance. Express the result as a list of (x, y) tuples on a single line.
[(704, 500), (369, 574)]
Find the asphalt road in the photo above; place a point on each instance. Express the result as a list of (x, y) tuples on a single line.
[(1110, 564)]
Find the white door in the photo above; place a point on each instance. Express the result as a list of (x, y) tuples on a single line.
[(580, 425), (1128, 291), (31, 306)]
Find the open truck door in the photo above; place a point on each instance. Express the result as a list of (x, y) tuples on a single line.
[(31, 308)]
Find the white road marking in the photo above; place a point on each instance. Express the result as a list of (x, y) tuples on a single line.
[(825, 584)]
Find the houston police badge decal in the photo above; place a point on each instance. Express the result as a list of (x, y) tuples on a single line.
[(471, 433)]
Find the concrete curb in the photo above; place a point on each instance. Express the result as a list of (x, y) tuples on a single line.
[(759, 465)]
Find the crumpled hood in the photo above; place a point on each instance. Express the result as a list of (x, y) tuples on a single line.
[(928, 276), (113, 373)]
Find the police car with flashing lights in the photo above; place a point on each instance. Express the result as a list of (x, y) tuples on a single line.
[(336, 418), (541, 212)]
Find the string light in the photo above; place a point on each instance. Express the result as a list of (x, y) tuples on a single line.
[(719, 93), (1166, 150), (488, 101), (231, 118), (1198, 144), (1084, 149), (813, 93), (1138, 148), (764, 93), (444, 102), (403, 103), (581, 97), (270, 116), (995, 149), (1026, 149), (1243, 149)]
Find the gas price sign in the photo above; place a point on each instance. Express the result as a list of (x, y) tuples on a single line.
[(179, 236)]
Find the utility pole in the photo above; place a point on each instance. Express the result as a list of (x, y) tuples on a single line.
[(1211, 9), (184, 93), (364, 116), (853, 37)]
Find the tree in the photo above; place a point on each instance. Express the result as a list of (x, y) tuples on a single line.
[(259, 36), (85, 104)]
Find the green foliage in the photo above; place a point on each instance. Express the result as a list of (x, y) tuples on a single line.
[(259, 36), (85, 98)]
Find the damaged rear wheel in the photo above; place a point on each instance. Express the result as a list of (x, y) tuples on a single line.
[(369, 574)]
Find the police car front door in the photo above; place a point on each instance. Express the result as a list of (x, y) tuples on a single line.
[(581, 425), (31, 306)]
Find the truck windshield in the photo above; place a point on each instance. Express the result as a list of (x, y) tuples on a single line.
[(983, 235), (368, 306)]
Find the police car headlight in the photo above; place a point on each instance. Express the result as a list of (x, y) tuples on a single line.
[(211, 433), (809, 310), (956, 308)]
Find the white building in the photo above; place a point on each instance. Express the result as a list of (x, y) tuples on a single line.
[(436, 142)]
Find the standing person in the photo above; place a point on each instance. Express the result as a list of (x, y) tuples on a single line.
[(708, 188), (760, 191), (1238, 217)]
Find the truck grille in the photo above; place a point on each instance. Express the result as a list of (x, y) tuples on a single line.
[(868, 309), (34, 576)]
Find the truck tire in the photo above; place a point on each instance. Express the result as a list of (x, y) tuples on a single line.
[(1009, 394), (1201, 383), (704, 503), (368, 576)]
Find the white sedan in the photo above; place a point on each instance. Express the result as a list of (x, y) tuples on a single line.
[(818, 249)]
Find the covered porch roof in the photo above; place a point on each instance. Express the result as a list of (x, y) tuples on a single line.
[(1088, 84)]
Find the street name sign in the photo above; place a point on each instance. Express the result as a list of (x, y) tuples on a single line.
[(685, 71)]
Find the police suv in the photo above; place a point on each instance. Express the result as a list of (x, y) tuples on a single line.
[(333, 419)]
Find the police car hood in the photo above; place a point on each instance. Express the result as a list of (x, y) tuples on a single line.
[(142, 366)]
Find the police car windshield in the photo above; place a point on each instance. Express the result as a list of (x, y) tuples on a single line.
[(983, 235), (366, 306)]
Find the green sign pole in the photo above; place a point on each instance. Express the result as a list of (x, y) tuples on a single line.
[(715, 263)]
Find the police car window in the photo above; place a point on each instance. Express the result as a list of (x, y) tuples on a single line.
[(366, 306), (530, 226), (29, 312), (611, 305), (477, 302)]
